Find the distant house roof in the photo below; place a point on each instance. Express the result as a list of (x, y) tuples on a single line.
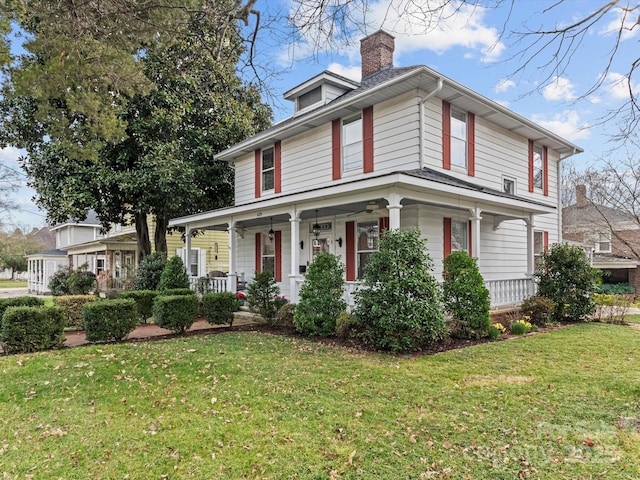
[(590, 213), (49, 253), (90, 220)]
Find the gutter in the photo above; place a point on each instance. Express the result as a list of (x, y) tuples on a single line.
[(559, 180), (421, 105)]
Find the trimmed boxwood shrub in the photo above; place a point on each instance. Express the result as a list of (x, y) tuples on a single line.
[(398, 305), (465, 297), (19, 302), (144, 302), (177, 291), (219, 307), (72, 306), (285, 315), (174, 275), (31, 329), (176, 313), (321, 301), (109, 320)]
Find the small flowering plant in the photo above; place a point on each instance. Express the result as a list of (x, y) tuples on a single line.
[(496, 330), (520, 327), (241, 297)]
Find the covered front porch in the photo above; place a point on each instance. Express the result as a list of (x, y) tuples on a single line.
[(283, 234)]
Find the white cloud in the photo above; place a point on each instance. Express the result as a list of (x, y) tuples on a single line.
[(560, 88), (455, 26), (617, 85), (504, 85), (9, 156), (621, 19), (566, 124), (353, 73)]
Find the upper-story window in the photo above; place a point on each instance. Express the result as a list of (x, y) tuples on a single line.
[(509, 185), (268, 170), (538, 167), (352, 143), (310, 98), (604, 242), (458, 138)]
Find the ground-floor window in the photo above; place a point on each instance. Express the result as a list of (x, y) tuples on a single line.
[(367, 236), (459, 236), (268, 254), (539, 245)]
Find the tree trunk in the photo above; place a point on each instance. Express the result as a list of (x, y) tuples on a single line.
[(142, 235), (160, 235)]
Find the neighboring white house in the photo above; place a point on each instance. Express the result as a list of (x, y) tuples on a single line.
[(404, 148)]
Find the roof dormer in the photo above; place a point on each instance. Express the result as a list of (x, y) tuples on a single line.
[(319, 91)]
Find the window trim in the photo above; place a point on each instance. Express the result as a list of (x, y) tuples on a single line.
[(599, 242), (356, 166), (513, 182), (264, 170), (375, 241), (470, 142), (456, 111)]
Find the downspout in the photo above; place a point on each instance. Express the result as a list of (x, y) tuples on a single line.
[(422, 103), (559, 180)]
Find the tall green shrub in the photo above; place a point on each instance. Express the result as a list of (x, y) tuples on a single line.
[(109, 320), (321, 301), (31, 329), (176, 313), (67, 281), (262, 296), (174, 275), (565, 276), (465, 297), (149, 272), (398, 305)]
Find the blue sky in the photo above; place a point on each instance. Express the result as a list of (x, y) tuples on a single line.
[(470, 48)]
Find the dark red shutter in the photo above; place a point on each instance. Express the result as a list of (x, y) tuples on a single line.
[(258, 253), (471, 144), (258, 172), (350, 235), (446, 227), (545, 170), (367, 140), (545, 236), (336, 163), (383, 225), (531, 165), (277, 166), (446, 135), (278, 252)]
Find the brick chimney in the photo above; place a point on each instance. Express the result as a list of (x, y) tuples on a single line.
[(377, 52), (581, 196)]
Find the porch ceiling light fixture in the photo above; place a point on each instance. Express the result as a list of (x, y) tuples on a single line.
[(316, 228), (271, 232)]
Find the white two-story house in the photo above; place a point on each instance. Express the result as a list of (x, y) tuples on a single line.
[(403, 148)]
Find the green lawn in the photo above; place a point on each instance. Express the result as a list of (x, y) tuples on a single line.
[(251, 405), (4, 283)]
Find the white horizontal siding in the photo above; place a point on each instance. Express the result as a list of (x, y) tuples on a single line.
[(306, 160), (244, 179)]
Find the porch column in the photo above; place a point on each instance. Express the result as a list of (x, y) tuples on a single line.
[(475, 233), (394, 207), (232, 276), (294, 275), (530, 257), (187, 248)]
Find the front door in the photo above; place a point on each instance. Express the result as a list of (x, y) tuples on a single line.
[(321, 244)]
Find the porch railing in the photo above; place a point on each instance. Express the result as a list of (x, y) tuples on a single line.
[(510, 292), (213, 284), (501, 292)]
